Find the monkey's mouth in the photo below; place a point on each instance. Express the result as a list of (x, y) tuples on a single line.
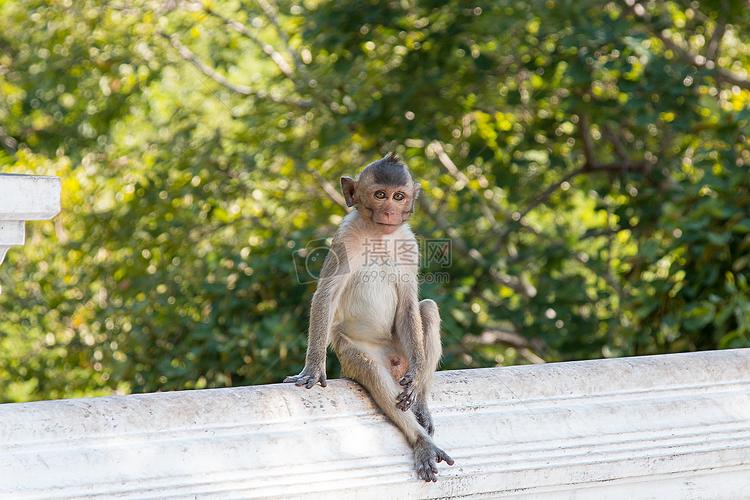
[(388, 225)]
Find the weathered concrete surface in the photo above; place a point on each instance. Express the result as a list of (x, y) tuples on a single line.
[(29, 197), (675, 426), (22, 198)]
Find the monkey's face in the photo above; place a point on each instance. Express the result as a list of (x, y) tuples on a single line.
[(387, 206), (384, 193)]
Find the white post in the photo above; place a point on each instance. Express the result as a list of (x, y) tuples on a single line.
[(22, 198)]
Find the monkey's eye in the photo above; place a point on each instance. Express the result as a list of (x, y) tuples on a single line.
[(399, 196), (380, 195)]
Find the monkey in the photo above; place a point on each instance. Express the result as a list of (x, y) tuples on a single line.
[(366, 307)]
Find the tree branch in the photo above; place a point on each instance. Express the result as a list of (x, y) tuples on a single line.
[(712, 48), (486, 206), (189, 56), (616, 167), (271, 14), (443, 224), (511, 339), (473, 254), (329, 189), (240, 28), (616, 143), (588, 144), (591, 165), (699, 61), (275, 56), (607, 276), (586, 169), (10, 144), (608, 232), (437, 148), (550, 190)]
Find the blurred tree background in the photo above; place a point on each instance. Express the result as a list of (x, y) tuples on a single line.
[(589, 161)]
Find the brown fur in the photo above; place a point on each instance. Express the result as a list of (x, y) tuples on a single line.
[(384, 337)]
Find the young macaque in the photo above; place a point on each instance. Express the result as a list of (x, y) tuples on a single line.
[(367, 306)]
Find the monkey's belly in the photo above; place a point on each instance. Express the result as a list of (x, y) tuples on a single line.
[(368, 306)]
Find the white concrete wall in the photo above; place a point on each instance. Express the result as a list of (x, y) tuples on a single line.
[(22, 198), (675, 426)]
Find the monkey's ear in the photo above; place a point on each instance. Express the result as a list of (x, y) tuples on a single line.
[(348, 188)]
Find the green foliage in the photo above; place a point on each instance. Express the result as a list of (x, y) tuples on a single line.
[(588, 160)]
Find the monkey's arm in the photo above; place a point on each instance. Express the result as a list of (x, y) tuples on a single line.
[(410, 333), (322, 308)]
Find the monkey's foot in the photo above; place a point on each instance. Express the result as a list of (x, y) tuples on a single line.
[(406, 399), (424, 417), (426, 458), (307, 378), (409, 395)]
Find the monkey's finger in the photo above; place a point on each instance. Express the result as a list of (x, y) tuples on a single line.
[(441, 455), (407, 398), (424, 471), (430, 473), (406, 393)]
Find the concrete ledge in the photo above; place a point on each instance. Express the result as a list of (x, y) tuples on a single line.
[(22, 198), (29, 197), (674, 426)]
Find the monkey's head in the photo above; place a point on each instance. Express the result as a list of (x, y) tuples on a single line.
[(384, 193)]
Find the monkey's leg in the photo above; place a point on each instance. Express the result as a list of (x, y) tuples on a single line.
[(417, 380), (433, 351), (370, 369)]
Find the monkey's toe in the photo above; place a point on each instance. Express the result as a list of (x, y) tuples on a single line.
[(405, 400), (443, 456), (427, 470), (407, 379), (426, 458)]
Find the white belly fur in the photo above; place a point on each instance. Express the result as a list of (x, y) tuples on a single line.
[(367, 308)]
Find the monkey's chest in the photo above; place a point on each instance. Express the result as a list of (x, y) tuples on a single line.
[(367, 308)]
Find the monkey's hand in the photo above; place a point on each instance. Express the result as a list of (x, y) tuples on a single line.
[(308, 377), (409, 395)]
